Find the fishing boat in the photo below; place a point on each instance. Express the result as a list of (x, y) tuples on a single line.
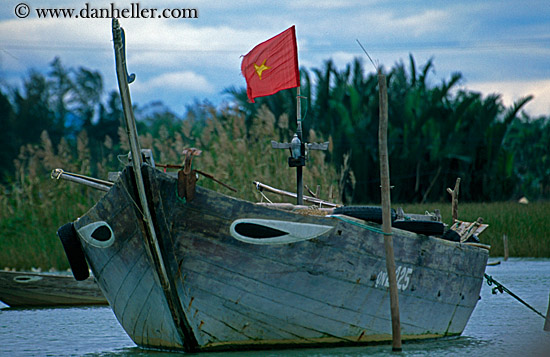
[(187, 268), (30, 289)]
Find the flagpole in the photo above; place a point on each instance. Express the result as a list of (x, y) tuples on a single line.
[(299, 176)]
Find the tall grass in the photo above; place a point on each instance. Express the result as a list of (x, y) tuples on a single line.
[(526, 225), (34, 206), (238, 156)]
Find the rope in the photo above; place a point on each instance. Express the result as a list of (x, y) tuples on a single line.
[(56, 174), (369, 228), (501, 288), (134, 202), (123, 159), (264, 196)]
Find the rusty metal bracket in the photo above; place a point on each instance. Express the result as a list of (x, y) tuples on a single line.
[(189, 153), (187, 178)]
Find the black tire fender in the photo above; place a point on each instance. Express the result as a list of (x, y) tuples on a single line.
[(73, 251), (366, 213), (429, 228), (451, 235)]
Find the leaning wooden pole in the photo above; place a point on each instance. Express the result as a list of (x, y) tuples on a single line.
[(135, 149), (386, 210), (153, 246), (454, 199)]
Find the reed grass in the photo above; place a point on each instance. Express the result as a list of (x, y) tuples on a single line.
[(526, 225), (34, 206)]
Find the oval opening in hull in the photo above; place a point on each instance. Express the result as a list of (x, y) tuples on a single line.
[(268, 231), (257, 231), (99, 234)]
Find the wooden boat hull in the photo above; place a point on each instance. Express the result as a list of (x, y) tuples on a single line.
[(25, 289), (324, 282)]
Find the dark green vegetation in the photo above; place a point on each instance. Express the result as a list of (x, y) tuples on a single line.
[(526, 225), (437, 133)]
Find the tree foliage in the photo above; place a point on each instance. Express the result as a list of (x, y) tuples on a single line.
[(437, 131)]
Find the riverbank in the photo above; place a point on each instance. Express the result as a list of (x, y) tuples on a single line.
[(29, 240)]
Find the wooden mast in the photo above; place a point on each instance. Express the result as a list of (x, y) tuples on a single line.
[(135, 149), (152, 246), (386, 210)]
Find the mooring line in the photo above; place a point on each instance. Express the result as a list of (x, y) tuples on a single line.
[(501, 288)]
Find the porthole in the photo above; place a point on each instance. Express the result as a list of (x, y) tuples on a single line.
[(98, 234), (26, 278)]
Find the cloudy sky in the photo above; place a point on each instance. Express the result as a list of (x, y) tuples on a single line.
[(500, 46)]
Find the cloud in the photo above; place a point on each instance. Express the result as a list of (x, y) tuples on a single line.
[(497, 45), (60, 32), (175, 81), (511, 91), (308, 5)]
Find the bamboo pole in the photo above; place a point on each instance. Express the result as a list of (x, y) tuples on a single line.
[(261, 186), (386, 211)]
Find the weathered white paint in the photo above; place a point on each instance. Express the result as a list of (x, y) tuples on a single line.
[(86, 234), (296, 231)]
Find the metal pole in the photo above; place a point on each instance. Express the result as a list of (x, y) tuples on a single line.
[(299, 175), (81, 179), (386, 213)]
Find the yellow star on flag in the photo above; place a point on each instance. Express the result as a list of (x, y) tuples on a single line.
[(260, 69)]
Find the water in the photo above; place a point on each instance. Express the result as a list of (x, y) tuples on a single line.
[(499, 326)]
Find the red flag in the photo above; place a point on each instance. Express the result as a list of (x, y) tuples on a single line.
[(272, 65)]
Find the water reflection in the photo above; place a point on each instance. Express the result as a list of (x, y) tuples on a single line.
[(499, 326)]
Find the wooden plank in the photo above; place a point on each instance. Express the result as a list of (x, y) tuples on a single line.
[(25, 289), (326, 290), (125, 273), (209, 220)]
